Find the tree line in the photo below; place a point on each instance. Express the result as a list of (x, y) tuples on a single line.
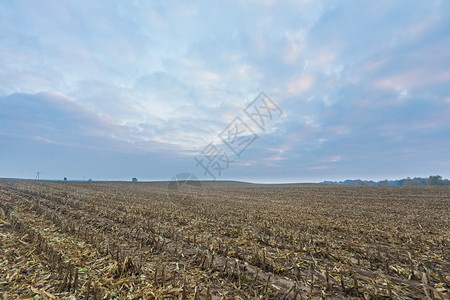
[(416, 181)]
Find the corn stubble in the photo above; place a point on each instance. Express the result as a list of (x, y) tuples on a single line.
[(61, 240)]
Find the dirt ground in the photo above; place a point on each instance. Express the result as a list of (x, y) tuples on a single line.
[(224, 240)]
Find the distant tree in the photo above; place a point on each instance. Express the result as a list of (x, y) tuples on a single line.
[(383, 182), (65, 178), (90, 180), (416, 181), (134, 179), (436, 180), (408, 181), (419, 181)]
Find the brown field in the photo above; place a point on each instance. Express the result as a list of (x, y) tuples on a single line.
[(69, 240)]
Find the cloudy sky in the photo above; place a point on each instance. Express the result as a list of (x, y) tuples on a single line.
[(118, 89)]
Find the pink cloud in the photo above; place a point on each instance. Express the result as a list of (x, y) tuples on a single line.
[(419, 77), (300, 84)]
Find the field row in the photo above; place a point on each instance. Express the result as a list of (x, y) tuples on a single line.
[(225, 241)]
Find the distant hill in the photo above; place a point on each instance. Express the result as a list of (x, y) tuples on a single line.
[(417, 181)]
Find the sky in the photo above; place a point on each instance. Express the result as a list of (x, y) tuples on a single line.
[(111, 90)]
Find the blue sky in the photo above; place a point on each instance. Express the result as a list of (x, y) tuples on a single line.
[(118, 89)]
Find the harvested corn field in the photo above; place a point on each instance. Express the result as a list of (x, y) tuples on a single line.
[(97, 240)]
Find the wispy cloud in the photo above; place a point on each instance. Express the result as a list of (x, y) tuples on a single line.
[(364, 88)]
